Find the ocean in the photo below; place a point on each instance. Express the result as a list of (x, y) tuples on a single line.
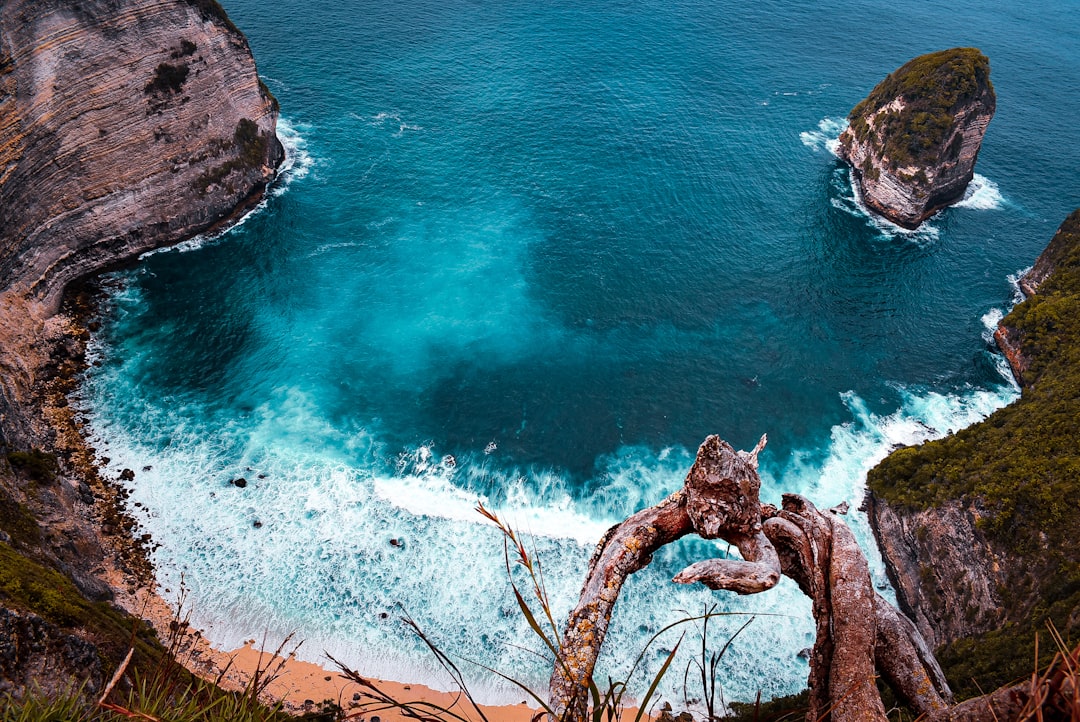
[(531, 254)]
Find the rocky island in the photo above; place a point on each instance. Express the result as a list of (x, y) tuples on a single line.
[(912, 143)]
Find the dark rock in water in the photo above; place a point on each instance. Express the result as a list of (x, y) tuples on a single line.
[(397, 543), (912, 143), (147, 468), (239, 483), (257, 524), (262, 476), (127, 475)]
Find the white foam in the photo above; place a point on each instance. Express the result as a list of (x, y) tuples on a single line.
[(827, 135), (848, 199), (982, 194), (385, 118), (321, 563), (298, 162)]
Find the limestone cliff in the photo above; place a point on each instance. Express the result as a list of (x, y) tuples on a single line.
[(124, 125), (980, 530), (912, 143)]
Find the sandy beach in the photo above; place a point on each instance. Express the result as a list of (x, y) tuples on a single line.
[(302, 686)]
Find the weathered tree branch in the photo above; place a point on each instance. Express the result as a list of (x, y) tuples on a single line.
[(858, 633), (624, 550)]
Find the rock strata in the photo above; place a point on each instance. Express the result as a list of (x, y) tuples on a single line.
[(912, 143), (125, 125)]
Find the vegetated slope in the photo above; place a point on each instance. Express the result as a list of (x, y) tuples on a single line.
[(1020, 469)]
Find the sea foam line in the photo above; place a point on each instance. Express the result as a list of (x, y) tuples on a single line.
[(321, 563)]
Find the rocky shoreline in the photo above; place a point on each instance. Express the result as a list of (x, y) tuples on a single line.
[(92, 175)]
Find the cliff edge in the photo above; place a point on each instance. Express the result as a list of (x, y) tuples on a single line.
[(912, 143), (980, 530), (125, 125)]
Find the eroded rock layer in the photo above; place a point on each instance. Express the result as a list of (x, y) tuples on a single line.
[(913, 142), (124, 125)]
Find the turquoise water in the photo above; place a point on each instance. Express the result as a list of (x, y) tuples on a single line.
[(532, 253)]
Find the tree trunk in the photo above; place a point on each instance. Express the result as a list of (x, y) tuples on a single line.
[(858, 632)]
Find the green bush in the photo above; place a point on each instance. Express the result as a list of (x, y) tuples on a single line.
[(1022, 465), (168, 78), (35, 464), (933, 87)]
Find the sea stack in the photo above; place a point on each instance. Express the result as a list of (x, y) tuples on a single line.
[(912, 143)]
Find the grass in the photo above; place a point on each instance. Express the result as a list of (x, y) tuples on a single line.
[(212, 10), (607, 703), (1022, 465), (30, 586), (933, 87)]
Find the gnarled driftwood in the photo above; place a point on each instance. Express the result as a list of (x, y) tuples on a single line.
[(859, 634)]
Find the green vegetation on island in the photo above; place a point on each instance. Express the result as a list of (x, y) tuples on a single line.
[(933, 87), (1022, 467)]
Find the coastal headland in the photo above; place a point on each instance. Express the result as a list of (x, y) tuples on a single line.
[(93, 175)]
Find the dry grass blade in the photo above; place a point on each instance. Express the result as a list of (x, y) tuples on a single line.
[(116, 677), (379, 701), (124, 712)]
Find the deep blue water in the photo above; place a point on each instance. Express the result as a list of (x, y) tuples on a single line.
[(560, 243)]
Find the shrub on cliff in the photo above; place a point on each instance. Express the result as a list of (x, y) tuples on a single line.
[(1022, 465), (933, 87)]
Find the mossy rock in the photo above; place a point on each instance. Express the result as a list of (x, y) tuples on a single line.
[(933, 88), (35, 464)]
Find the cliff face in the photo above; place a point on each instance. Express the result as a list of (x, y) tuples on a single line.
[(945, 571), (124, 125), (979, 530), (913, 142)]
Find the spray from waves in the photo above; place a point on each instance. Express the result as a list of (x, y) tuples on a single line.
[(335, 537), (298, 161), (846, 198), (297, 164), (827, 135), (982, 194), (992, 319)]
